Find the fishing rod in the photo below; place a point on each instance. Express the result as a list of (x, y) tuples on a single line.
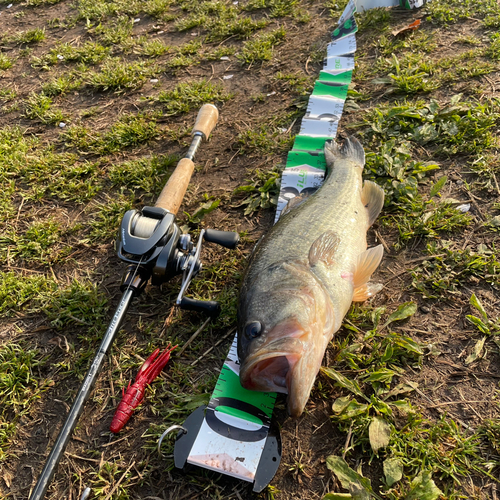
[(152, 244)]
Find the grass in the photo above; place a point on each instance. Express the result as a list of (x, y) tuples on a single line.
[(455, 128), (413, 444), (88, 53), (81, 303), (61, 85), (106, 218), (36, 244), (260, 49), (23, 293), (39, 107), (101, 10), (447, 270), (277, 8), (429, 219), (263, 191), (153, 48), (146, 174), (117, 75), (19, 389), (41, 173), (220, 21), (33, 36), (456, 11), (130, 131), (191, 95), (265, 138), (5, 62)]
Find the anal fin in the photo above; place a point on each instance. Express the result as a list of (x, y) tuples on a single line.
[(372, 197), (366, 264)]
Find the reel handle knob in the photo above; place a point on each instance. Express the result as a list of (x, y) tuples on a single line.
[(227, 239), (209, 307)]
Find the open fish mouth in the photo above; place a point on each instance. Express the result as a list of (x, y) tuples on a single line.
[(271, 367), (269, 372)]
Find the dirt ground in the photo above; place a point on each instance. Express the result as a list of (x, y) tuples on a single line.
[(127, 465)]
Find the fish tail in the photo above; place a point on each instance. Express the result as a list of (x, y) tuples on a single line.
[(351, 150)]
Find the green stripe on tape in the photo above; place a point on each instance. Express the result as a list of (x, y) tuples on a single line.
[(228, 386), (299, 158), (322, 88), (345, 29), (344, 78), (308, 143)]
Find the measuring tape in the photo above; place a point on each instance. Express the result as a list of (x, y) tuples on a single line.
[(233, 433)]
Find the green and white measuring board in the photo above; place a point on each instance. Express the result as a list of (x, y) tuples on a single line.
[(233, 433), (306, 166)]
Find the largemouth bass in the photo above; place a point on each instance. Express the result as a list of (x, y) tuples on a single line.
[(303, 276)]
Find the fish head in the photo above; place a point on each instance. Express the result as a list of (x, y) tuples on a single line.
[(284, 326)]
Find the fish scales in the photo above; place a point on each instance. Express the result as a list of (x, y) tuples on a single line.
[(340, 210), (303, 276)]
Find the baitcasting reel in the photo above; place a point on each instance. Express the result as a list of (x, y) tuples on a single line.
[(152, 242)]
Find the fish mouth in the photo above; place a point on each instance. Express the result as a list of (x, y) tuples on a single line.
[(280, 363), (269, 372)]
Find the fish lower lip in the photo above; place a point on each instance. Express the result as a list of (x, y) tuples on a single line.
[(269, 373)]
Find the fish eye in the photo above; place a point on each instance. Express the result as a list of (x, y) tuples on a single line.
[(253, 329)]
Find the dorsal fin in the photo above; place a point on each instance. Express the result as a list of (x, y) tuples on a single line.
[(372, 197), (323, 249), (366, 264)]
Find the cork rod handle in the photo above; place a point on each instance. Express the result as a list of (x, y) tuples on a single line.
[(172, 194), (206, 120)]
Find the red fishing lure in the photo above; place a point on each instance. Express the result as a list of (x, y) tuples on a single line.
[(135, 392)]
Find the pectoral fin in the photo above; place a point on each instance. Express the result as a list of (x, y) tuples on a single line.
[(372, 197), (367, 262), (324, 248)]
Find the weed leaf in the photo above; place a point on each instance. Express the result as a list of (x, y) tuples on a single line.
[(402, 312), (337, 496), (349, 477), (474, 302), (408, 344), (345, 408), (438, 186), (203, 210), (402, 405), (358, 492), (350, 385), (393, 470), (477, 322), (475, 352), (402, 388), (379, 433), (382, 375), (423, 488)]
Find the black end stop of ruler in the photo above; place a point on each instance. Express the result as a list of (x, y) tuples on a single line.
[(185, 440), (269, 461)]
